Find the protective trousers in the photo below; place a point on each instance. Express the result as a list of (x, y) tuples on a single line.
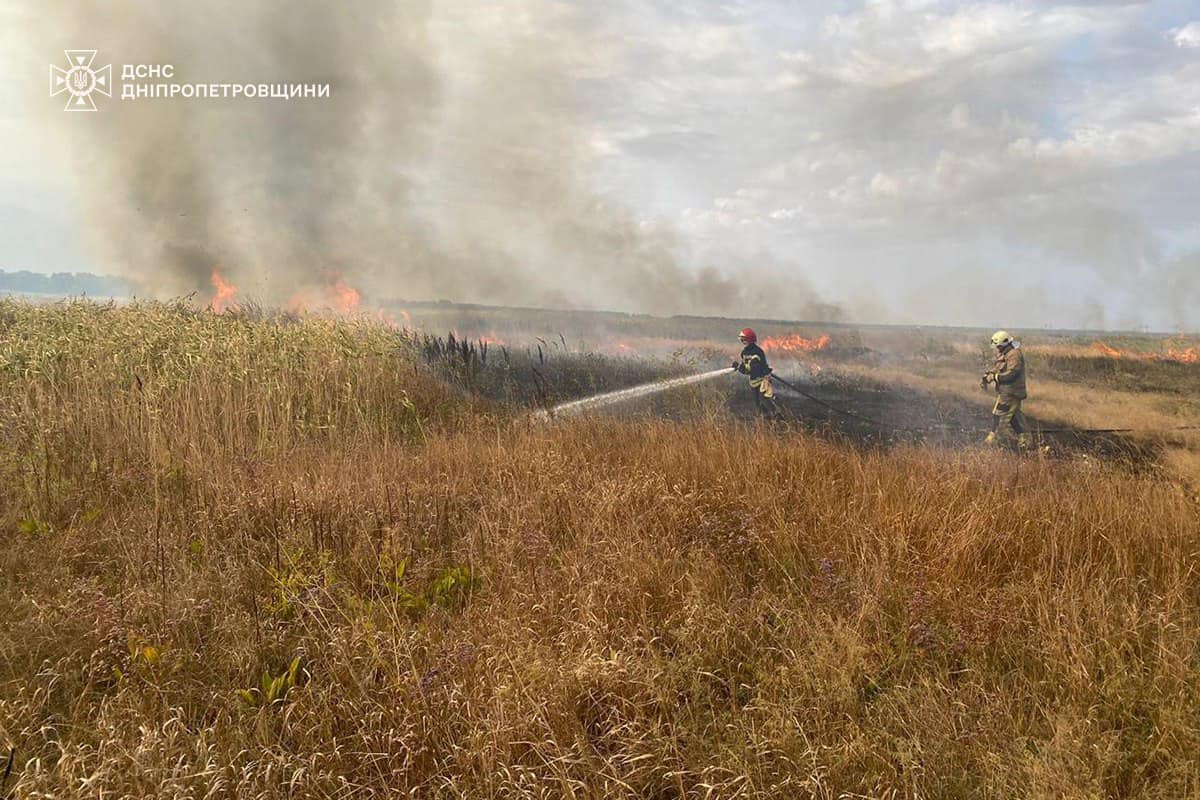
[(1007, 420)]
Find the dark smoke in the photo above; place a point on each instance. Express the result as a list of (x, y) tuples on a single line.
[(451, 160)]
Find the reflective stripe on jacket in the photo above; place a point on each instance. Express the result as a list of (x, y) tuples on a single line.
[(754, 362)]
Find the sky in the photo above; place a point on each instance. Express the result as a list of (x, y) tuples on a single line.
[(1016, 164)]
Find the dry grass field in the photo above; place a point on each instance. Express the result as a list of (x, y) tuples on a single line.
[(263, 557)]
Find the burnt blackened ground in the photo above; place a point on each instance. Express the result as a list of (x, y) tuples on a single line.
[(874, 414), (849, 407)]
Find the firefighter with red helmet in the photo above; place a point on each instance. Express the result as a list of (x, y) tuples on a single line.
[(753, 362)]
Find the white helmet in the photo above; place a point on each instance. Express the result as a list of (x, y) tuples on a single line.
[(1001, 339)]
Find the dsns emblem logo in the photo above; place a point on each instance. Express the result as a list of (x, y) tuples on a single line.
[(79, 80)]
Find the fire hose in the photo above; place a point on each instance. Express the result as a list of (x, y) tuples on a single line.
[(643, 390), (848, 412)]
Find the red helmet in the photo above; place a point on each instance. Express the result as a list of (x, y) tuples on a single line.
[(748, 335)]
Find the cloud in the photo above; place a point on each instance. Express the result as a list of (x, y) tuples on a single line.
[(1187, 35), (888, 44), (978, 151)]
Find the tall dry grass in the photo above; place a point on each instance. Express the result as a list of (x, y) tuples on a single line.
[(482, 607)]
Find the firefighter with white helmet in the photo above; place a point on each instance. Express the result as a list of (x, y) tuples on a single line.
[(753, 362), (1008, 376)]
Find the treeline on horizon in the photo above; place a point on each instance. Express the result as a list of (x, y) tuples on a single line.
[(64, 283)]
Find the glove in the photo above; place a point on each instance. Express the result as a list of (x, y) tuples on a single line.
[(736, 365)]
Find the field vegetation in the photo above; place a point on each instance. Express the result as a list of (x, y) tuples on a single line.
[(259, 556)]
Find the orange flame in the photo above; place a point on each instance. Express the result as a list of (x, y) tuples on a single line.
[(345, 297), (223, 298), (387, 318), (336, 295), (794, 343), (1105, 350), (1190, 355)]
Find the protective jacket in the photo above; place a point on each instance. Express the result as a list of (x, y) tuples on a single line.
[(1010, 374), (754, 362)]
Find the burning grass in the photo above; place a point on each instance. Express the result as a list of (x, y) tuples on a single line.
[(224, 294), (794, 344), (1151, 373), (483, 608), (1176, 354)]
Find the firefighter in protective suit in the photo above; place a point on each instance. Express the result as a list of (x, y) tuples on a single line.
[(753, 362), (1008, 376)]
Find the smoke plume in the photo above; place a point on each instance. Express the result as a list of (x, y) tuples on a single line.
[(453, 159)]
